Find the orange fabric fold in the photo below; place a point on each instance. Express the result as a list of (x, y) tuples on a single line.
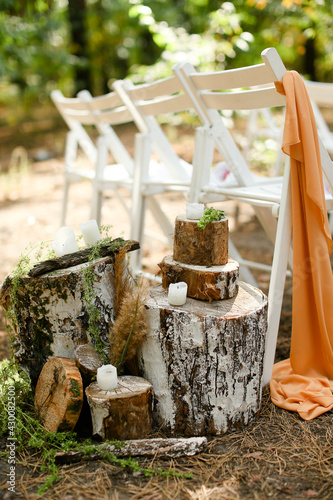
[(304, 382)]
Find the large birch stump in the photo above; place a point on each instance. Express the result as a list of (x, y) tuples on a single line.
[(59, 395), (52, 316), (205, 361), (201, 247), (204, 283), (123, 413)]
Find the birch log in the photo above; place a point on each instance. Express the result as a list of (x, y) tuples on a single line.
[(204, 283), (201, 247), (205, 361), (123, 413), (155, 448), (52, 313)]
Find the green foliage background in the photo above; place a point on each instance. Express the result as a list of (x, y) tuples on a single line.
[(39, 49)]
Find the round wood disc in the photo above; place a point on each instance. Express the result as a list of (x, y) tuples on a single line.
[(204, 283), (59, 394)]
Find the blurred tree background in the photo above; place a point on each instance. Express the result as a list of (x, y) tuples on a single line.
[(76, 44)]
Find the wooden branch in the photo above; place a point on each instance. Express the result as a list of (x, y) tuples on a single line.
[(158, 447), (82, 256)]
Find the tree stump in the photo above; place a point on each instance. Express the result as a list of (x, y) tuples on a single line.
[(200, 247), (204, 283), (87, 360), (53, 316), (205, 361), (123, 413), (59, 395)]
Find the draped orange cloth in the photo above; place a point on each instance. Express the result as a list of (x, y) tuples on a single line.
[(304, 382)]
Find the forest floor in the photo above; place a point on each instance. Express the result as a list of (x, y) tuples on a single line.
[(276, 456)]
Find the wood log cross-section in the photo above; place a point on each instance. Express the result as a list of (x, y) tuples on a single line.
[(205, 360), (200, 247), (59, 394), (203, 283), (123, 413)]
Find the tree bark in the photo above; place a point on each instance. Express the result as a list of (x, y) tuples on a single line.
[(59, 395), (157, 447), (88, 361), (201, 247), (52, 314), (205, 360), (77, 15), (123, 413), (204, 283)]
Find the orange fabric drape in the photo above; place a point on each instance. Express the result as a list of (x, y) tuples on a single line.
[(304, 382)]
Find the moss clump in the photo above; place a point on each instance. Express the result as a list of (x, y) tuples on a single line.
[(210, 215)]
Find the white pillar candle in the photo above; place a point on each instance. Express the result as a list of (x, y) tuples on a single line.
[(64, 241), (90, 232), (177, 293), (194, 211), (107, 377)]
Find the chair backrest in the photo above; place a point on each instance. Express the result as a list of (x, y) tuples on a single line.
[(321, 95), (231, 90), (149, 100), (107, 111), (74, 113), (101, 112)]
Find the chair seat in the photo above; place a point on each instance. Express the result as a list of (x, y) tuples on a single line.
[(269, 193)]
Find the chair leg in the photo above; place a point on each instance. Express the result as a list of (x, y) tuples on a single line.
[(64, 203), (278, 276)]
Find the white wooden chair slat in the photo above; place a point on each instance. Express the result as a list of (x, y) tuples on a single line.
[(172, 104), (165, 86), (250, 99), (107, 101), (234, 78)]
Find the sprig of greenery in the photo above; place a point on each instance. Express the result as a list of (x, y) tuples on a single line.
[(210, 215)]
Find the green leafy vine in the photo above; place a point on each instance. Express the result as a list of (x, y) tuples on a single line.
[(210, 215)]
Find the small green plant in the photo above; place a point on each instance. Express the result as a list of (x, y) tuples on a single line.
[(210, 215)]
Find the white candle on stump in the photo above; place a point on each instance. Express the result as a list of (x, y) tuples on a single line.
[(64, 241), (194, 211), (107, 379), (177, 293), (90, 232)]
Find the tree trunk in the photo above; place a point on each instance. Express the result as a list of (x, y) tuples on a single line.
[(201, 247), (77, 14), (204, 283), (123, 413), (205, 360), (53, 316)]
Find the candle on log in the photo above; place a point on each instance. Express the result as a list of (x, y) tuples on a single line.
[(90, 232), (124, 413), (177, 293), (107, 377), (64, 241), (195, 211)]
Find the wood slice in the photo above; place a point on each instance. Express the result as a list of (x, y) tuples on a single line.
[(205, 361), (200, 247), (125, 412), (204, 283), (59, 395), (87, 360)]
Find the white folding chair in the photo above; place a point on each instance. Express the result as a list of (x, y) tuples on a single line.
[(79, 116), (169, 172), (231, 90)]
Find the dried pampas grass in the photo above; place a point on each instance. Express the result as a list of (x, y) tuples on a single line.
[(131, 326)]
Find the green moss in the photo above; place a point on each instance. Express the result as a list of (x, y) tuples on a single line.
[(210, 215), (74, 388)]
